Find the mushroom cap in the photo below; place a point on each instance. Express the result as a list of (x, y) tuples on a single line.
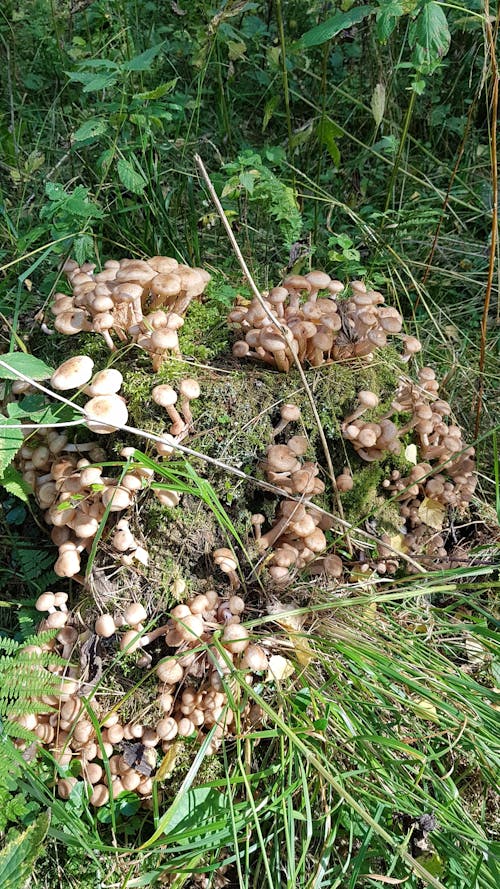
[(105, 626), (164, 395), (367, 399), (235, 638), (105, 382), (105, 413), (319, 280), (290, 412), (73, 373), (166, 285), (297, 282), (280, 458), (135, 614), (189, 388), (271, 341), (45, 601)]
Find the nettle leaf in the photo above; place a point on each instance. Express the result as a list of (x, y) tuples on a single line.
[(20, 362), (91, 129), (144, 60), (430, 37), (130, 178), (18, 857), (328, 132), (333, 26), (14, 484), (387, 17), (10, 442), (157, 93), (100, 82)]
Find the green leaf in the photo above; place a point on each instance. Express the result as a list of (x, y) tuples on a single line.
[(100, 82), (430, 37), (91, 129), (14, 484), (327, 131), (157, 93), (10, 442), (144, 60), (20, 362), (269, 109), (19, 856), (333, 26), (130, 178), (387, 18)]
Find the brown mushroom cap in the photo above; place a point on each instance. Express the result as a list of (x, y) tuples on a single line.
[(106, 413), (73, 373)]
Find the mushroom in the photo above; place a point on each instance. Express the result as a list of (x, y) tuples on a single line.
[(227, 563), (367, 400), (188, 389), (289, 413), (166, 397), (106, 413), (73, 373)]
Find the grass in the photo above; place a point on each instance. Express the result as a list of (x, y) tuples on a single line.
[(392, 710)]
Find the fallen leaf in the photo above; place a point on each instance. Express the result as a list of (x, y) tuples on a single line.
[(397, 541), (411, 454), (279, 668), (380, 878), (303, 651), (425, 709), (432, 512)]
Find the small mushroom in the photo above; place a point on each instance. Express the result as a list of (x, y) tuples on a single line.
[(73, 373), (289, 413)]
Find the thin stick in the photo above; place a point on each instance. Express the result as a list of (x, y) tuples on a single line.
[(284, 330), (494, 214), (266, 486)]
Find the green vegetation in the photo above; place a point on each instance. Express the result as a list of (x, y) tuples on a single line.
[(356, 138)]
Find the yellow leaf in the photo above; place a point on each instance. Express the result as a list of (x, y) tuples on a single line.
[(397, 541), (411, 454), (425, 709), (279, 668), (432, 512), (303, 651)]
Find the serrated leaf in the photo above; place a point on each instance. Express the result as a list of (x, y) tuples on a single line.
[(269, 109), (130, 178), (14, 484), (10, 442), (378, 103), (430, 37), (25, 364), (432, 512), (100, 82), (411, 454), (157, 93), (327, 133), (91, 129), (144, 60), (387, 18), (333, 26), (18, 857)]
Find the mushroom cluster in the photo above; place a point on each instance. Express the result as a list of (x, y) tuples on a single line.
[(320, 328), (75, 494), (191, 697), (371, 441), (297, 538), (106, 410), (115, 299)]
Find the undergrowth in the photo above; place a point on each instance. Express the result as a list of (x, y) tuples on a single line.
[(357, 139)]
